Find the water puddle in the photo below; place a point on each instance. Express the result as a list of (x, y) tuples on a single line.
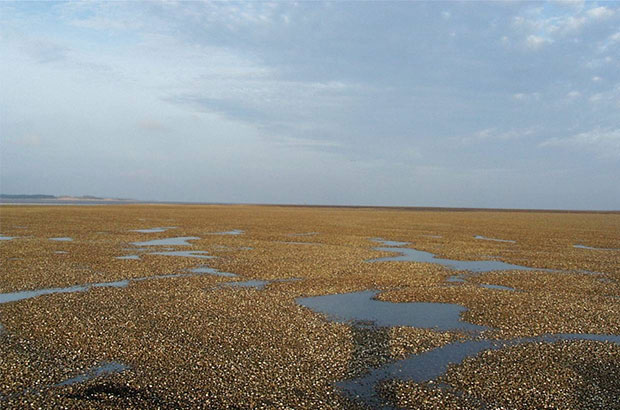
[(497, 287), (166, 276), (62, 239), (256, 284), (359, 308), (211, 271), (154, 230), (128, 257), (28, 294), (494, 239), (187, 254), (233, 232), (389, 243), (456, 279), (595, 249), (434, 363), (178, 241), (7, 238), (102, 370), (414, 255), (298, 243), (61, 252), (362, 307)]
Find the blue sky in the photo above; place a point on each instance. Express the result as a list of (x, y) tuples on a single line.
[(499, 104)]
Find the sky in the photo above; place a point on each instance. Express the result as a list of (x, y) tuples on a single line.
[(456, 104)]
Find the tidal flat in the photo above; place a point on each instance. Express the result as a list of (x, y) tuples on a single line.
[(130, 315)]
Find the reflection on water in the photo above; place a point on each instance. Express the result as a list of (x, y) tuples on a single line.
[(414, 255), (389, 243), (233, 232), (128, 257), (178, 241), (361, 306), (187, 254), (211, 271), (256, 284), (494, 239), (27, 294), (7, 238), (154, 230), (299, 243), (303, 234), (497, 287), (62, 239), (595, 249), (432, 364)]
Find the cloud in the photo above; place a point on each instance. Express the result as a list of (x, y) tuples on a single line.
[(227, 87), (605, 143), (600, 13), (495, 134), (526, 96), (536, 42), (542, 25)]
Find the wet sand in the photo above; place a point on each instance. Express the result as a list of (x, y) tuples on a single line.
[(170, 337)]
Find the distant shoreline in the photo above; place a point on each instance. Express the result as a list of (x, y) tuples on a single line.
[(60, 201)]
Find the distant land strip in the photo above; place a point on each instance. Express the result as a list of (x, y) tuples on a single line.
[(41, 199)]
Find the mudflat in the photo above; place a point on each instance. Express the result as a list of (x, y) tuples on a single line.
[(212, 306)]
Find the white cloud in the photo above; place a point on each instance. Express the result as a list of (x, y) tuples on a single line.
[(542, 25), (526, 96), (596, 97), (536, 42), (600, 12), (603, 142), (573, 94)]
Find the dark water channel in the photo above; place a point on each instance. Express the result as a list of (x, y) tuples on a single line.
[(434, 363), (363, 307), (414, 255), (359, 308)]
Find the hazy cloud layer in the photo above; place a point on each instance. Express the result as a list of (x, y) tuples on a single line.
[(500, 104)]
